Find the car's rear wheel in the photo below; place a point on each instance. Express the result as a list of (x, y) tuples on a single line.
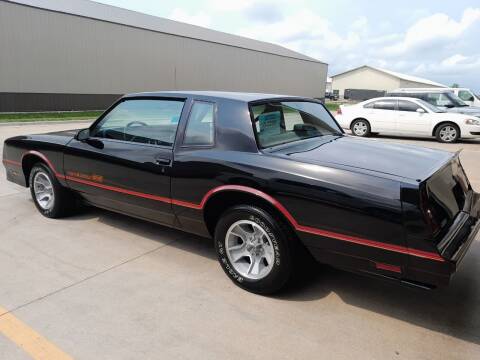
[(50, 197), (447, 133), (361, 127), (253, 249)]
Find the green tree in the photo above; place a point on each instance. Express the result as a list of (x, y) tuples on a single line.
[(455, 85)]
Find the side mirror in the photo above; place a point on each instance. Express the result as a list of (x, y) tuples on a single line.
[(82, 135), (420, 111)]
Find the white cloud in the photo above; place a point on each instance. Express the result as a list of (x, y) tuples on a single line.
[(454, 65), (307, 32), (432, 30), (200, 19), (436, 46)]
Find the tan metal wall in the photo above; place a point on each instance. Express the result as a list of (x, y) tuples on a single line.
[(364, 78), (47, 52)]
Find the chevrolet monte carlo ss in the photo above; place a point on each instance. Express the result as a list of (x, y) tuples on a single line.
[(268, 177)]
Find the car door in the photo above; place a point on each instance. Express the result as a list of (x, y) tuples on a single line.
[(381, 115), (413, 119), (125, 163)]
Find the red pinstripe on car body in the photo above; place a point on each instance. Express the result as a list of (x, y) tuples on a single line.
[(274, 202)]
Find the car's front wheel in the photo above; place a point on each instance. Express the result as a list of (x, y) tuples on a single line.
[(49, 196), (253, 249), (447, 133), (361, 127)]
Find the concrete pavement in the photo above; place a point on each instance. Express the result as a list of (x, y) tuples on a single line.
[(104, 286)]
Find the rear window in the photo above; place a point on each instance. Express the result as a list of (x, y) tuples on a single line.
[(281, 122), (446, 192)]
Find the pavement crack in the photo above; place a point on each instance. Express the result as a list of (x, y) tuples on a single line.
[(86, 278)]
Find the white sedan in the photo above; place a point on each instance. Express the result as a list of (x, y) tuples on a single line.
[(406, 117)]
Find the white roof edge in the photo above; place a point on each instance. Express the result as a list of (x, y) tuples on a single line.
[(397, 75), (113, 14)]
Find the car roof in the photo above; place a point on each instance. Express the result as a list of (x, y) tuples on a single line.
[(393, 98), (420, 91), (239, 96)]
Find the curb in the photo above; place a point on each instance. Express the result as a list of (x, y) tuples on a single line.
[(43, 122)]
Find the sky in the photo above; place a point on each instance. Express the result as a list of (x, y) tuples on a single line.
[(435, 39)]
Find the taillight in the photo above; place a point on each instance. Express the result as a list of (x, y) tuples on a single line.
[(339, 111)]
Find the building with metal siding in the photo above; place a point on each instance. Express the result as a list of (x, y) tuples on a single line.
[(372, 79), (76, 54)]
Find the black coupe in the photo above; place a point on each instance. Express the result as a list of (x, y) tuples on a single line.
[(268, 177)]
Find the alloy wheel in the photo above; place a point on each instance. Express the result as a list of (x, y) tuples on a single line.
[(360, 128), (43, 190), (448, 133), (249, 249)]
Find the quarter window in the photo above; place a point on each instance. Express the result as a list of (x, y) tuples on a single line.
[(200, 126), (142, 121), (404, 105)]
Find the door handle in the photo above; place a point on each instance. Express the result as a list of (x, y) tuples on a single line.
[(163, 161)]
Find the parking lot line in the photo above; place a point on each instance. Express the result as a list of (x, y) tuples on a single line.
[(28, 339)]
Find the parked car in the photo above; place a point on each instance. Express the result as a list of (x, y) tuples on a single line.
[(267, 177), (406, 117), (467, 96), (331, 96), (443, 99)]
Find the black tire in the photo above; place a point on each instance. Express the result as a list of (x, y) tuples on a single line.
[(282, 269), (364, 124), (447, 133), (63, 200)]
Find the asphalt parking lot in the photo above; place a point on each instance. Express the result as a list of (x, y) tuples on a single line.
[(103, 286)]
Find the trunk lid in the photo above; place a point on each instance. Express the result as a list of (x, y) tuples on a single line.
[(404, 161)]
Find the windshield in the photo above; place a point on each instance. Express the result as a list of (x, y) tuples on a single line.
[(456, 100), (281, 122), (430, 107)]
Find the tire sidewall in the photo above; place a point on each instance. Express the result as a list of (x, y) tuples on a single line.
[(280, 272), (366, 123), (53, 211), (437, 135)]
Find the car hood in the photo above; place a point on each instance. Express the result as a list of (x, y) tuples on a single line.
[(467, 110), (57, 137), (404, 161)]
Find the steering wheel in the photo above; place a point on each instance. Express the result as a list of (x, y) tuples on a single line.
[(135, 123)]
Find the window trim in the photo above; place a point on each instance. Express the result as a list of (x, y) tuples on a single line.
[(214, 122), (123, 99)]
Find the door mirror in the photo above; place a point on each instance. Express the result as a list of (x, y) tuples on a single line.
[(82, 135), (420, 111)]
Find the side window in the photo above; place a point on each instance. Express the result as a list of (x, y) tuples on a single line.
[(404, 105), (438, 99), (384, 105), (465, 95), (142, 121), (200, 128)]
